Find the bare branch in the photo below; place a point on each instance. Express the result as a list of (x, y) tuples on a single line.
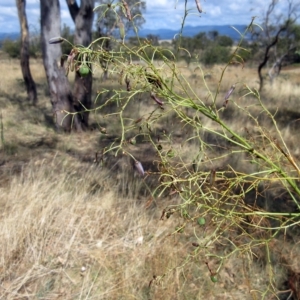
[(73, 8)]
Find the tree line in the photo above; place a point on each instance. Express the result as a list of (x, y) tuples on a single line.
[(208, 48), (273, 45)]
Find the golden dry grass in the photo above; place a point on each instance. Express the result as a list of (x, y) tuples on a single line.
[(62, 238), (71, 229)]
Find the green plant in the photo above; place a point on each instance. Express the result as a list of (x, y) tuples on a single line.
[(215, 54), (225, 41), (209, 48), (12, 48), (215, 193)]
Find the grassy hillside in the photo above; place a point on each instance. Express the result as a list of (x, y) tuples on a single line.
[(75, 226)]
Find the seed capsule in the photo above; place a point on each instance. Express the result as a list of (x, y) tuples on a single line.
[(103, 130), (158, 101), (84, 70), (127, 10), (201, 221), (170, 153), (139, 168), (154, 80), (121, 30), (199, 6), (70, 61), (56, 40), (132, 141), (179, 229), (228, 94), (127, 81)]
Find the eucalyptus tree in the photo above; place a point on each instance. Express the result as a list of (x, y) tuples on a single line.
[(278, 38), (59, 87), (24, 53), (83, 16), (70, 109)]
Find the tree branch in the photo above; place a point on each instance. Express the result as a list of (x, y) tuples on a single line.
[(266, 56), (73, 8)]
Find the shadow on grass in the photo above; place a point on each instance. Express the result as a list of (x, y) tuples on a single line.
[(34, 114), (285, 117)]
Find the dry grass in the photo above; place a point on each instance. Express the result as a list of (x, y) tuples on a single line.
[(67, 233), (71, 229)]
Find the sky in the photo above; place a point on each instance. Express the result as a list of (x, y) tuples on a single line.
[(158, 14)]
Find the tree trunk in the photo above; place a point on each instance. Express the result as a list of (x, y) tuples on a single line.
[(61, 95), (83, 19), (266, 57), (276, 68), (24, 55)]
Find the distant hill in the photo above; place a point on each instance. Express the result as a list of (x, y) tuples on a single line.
[(167, 34), (9, 35)]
